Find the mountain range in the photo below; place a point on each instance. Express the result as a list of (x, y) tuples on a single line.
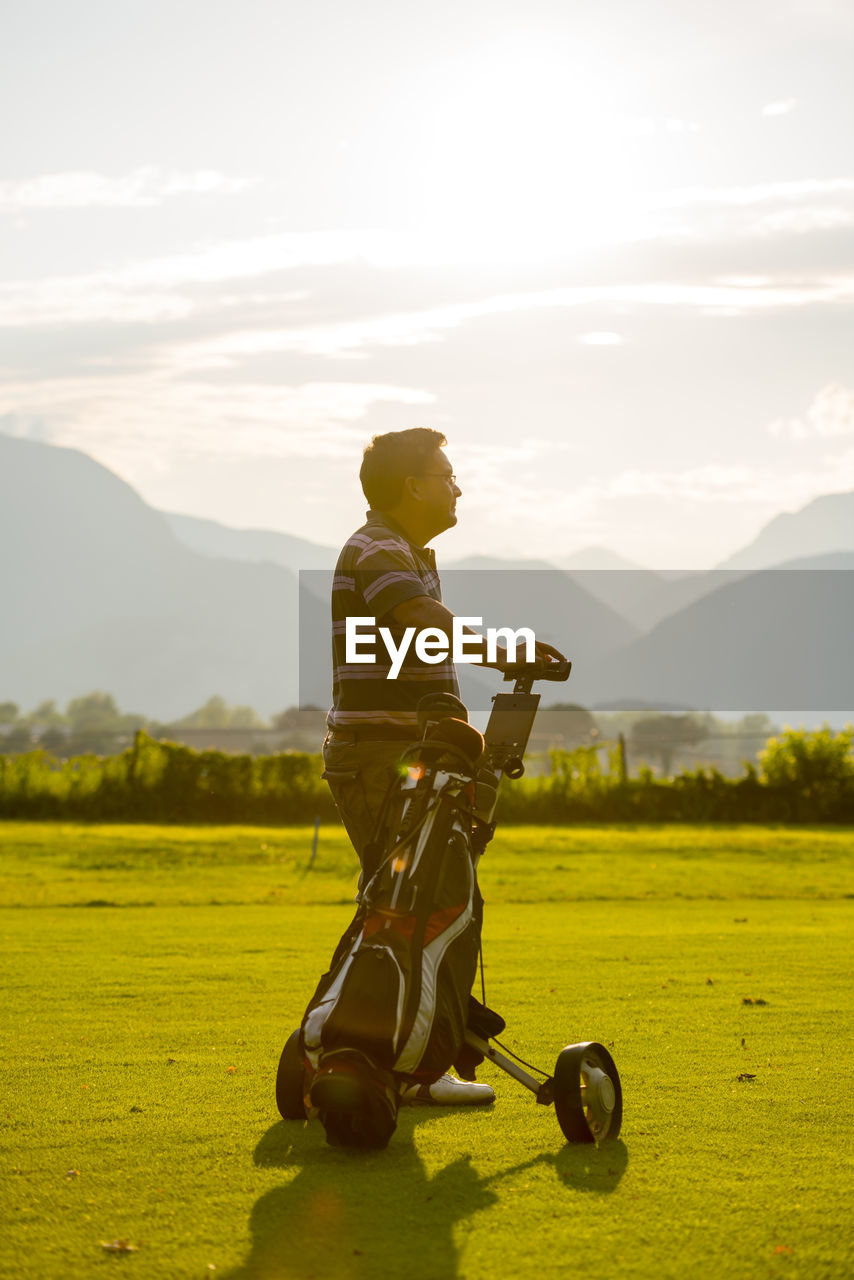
[(639, 595), (102, 591), (98, 593), (823, 526)]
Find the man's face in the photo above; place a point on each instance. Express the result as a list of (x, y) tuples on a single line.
[(439, 492)]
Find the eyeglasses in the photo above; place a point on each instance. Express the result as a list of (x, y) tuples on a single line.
[(441, 475)]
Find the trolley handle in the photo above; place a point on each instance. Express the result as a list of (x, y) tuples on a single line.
[(525, 673)]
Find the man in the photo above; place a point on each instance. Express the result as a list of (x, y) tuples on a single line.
[(386, 571)]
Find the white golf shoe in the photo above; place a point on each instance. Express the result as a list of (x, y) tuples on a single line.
[(447, 1091)]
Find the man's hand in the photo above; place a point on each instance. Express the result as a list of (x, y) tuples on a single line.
[(545, 655)]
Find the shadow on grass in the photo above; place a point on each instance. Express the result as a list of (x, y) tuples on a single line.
[(597, 1169), (356, 1215), (581, 1168)]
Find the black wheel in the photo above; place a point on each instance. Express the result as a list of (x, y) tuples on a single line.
[(587, 1093), (289, 1081)]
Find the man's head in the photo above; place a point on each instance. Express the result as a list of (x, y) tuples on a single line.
[(406, 475)]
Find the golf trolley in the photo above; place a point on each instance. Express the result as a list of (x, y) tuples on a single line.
[(585, 1085)]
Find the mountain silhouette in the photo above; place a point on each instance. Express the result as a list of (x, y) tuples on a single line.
[(771, 640), (824, 525), (98, 593), (252, 545)]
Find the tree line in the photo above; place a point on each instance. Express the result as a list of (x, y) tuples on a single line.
[(802, 776), (94, 724)]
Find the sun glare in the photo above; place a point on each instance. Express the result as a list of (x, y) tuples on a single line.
[(522, 153)]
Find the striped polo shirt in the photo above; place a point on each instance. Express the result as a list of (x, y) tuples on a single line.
[(378, 569)]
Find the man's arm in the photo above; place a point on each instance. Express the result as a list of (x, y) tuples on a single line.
[(423, 611)]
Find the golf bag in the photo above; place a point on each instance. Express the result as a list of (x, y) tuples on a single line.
[(398, 989)]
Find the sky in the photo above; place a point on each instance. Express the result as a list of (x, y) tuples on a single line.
[(607, 249)]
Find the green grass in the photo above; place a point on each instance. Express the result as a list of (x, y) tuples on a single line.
[(141, 1042), (67, 864)]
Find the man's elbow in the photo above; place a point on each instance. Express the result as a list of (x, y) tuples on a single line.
[(420, 612)]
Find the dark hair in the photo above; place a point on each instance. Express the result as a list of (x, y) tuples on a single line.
[(389, 459)]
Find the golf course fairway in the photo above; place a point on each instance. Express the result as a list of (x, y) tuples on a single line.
[(152, 975)]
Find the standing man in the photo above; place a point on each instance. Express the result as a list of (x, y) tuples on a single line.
[(386, 571)]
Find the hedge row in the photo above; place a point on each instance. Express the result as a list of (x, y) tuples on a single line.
[(164, 782), (804, 777)]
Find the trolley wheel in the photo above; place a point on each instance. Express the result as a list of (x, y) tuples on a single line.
[(289, 1081), (587, 1093)]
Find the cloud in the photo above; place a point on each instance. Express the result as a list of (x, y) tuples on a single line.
[(142, 188), (686, 529), (765, 488), (713, 483), (153, 290), (734, 216), (756, 193), (180, 286), (675, 125), (805, 221), (151, 428), (486, 465), (648, 126), (150, 419), (830, 414), (354, 338), (601, 338), (782, 108), (807, 215)]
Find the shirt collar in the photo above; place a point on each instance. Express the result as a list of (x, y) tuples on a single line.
[(380, 517)]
